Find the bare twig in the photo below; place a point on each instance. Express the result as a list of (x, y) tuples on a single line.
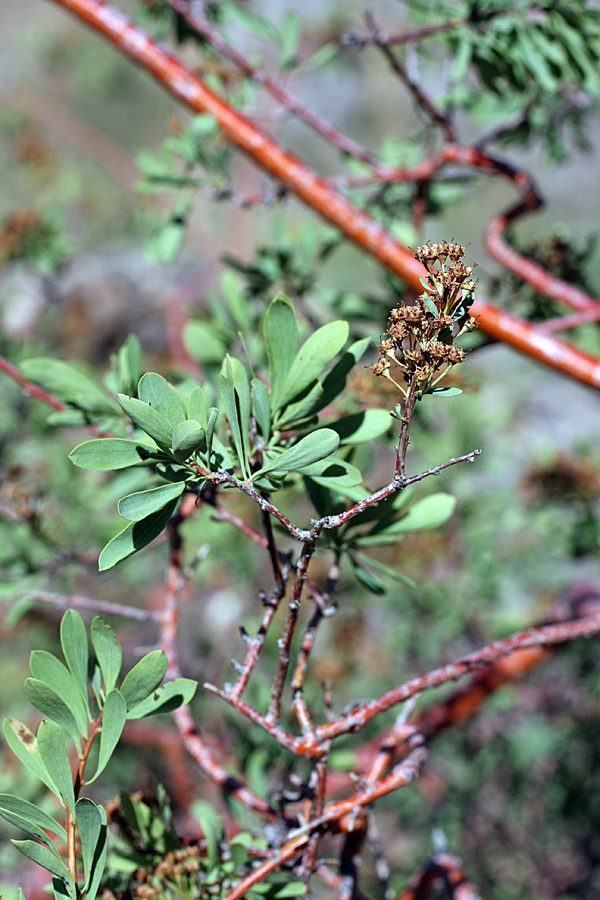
[(360, 39), (443, 870), (356, 225), (290, 625), (421, 98), (194, 16), (542, 637)]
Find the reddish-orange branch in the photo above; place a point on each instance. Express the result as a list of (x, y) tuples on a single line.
[(442, 871), (313, 190)]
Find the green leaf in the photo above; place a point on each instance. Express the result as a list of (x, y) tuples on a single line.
[(232, 291), (372, 583), (187, 438), (211, 825), (45, 858), (234, 391), (291, 889), (23, 744), (156, 391), (315, 353), (333, 473), (281, 344), (165, 244), (335, 380), (28, 827), (462, 57), (430, 512), (23, 809), (320, 58), (363, 426), (107, 454), (315, 446), (74, 643), (53, 752), (114, 714), (48, 669), (99, 863), (204, 342), (148, 419), (49, 704), (142, 504), (127, 365), (261, 26), (303, 409), (92, 831), (134, 537), (197, 404), (108, 652), (291, 30), (166, 698), (68, 384), (62, 890), (388, 571), (211, 423), (428, 302), (261, 407), (145, 677), (446, 392)]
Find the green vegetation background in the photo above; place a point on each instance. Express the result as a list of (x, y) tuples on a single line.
[(515, 790)]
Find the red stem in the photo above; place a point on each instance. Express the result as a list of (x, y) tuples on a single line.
[(30, 387)]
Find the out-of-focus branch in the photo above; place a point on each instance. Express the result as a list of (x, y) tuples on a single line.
[(189, 733), (32, 389), (360, 39), (194, 16), (421, 98), (356, 225), (536, 639), (445, 872)]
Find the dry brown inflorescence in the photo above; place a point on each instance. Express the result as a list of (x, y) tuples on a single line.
[(419, 342)]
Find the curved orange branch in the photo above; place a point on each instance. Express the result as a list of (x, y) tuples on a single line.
[(356, 225)]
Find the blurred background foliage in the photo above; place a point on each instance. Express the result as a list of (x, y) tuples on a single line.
[(83, 263)]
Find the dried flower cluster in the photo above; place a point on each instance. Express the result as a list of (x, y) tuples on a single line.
[(175, 866), (420, 338)]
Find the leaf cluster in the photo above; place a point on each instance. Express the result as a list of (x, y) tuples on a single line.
[(265, 431), (80, 700), (149, 855)]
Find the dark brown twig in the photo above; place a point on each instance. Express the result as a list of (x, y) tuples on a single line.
[(421, 98)]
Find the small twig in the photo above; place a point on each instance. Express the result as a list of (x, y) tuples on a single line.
[(67, 601), (360, 39), (443, 870), (415, 89), (309, 857), (273, 554), (194, 16), (545, 636), (189, 734), (350, 859), (290, 625), (308, 640), (256, 642), (468, 458), (565, 323), (30, 387), (412, 397), (246, 488), (402, 775)]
